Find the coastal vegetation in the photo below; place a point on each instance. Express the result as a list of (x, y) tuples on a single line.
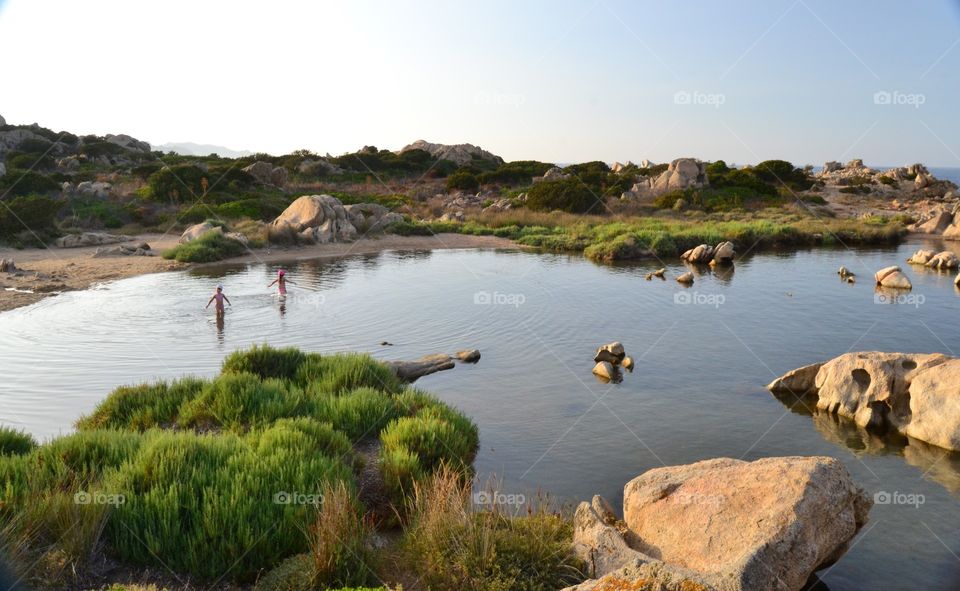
[(255, 475)]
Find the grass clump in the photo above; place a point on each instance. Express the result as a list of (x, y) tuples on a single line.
[(454, 545), (143, 406), (210, 247), (265, 361), (14, 442), (343, 372), (238, 401)]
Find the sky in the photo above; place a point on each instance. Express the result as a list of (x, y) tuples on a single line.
[(559, 81)]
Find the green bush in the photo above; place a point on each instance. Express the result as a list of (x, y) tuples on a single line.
[(33, 213), (570, 195), (462, 180), (265, 361), (336, 374), (13, 442), (142, 407), (887, 181), (212, 246), (240, 401), (179, 183), (358, 414)]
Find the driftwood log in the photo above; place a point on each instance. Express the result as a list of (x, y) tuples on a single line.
[(410, 371)]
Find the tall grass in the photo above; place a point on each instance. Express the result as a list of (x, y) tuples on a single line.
[(336, 374), (238, 401), (454, 545), (265, 361)]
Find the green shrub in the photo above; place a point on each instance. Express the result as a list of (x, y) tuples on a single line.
[(265, 361), (142, 407), (336, 374), (239, 401), (462, 180), (14, 442), (570, 195), (211, 247), (18, 183), (360, 413), (219, 505), (175, 184), (32, 213)]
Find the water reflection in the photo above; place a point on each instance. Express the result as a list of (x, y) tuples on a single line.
[(938, 464)]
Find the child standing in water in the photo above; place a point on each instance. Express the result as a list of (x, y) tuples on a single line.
[(281, 282), (220, 298)]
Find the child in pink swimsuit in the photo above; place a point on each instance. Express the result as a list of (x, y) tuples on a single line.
[(281, 282), (219, 297)]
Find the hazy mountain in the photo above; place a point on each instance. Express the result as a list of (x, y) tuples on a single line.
[(192, 149)]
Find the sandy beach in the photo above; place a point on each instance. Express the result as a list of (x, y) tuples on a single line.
[(45, 272)]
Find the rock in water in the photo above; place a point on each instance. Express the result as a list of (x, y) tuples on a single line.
[(914, 394), (627, 363), (724, 253), (943, 260), (611, 353), (723, 524), (921, 257), (468, 355), (892, 277), (686, 278), (605, 370)]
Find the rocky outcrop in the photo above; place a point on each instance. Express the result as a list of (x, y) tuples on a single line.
[(935, 222), (682, 173), (410, 371), (371, 217), (459, 153), (128, 143), (141, 249), (89, 239), (553, 174), (314, 219), (723, 524), (267, 174), (197, 230), (921, 257), (892, 277), (914, 394)]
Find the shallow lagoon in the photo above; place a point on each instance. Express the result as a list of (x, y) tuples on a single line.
[(703, 356)]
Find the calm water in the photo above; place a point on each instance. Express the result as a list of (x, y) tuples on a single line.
[(545, 422)]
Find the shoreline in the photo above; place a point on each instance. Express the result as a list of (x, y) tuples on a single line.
[(44, 272)]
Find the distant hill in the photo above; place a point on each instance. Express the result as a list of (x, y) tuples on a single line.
[(192, 149)]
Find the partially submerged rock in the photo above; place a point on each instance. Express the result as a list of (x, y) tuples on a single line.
[(611, 353), (685, 278), (723, 524), (606, 370), (892, 277), (943, 260), (410, 371), (921, 257), (914, 394)]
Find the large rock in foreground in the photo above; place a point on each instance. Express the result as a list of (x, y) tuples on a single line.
[(723, 524), (915, 394)]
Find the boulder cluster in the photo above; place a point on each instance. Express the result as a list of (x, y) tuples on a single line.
[(609, 359), (458, 153), (721, 254), (682, 173), (914, 394), (318, 219), (722, 524), (267, 174)]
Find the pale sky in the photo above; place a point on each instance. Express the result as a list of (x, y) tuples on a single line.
[(561, 81)]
